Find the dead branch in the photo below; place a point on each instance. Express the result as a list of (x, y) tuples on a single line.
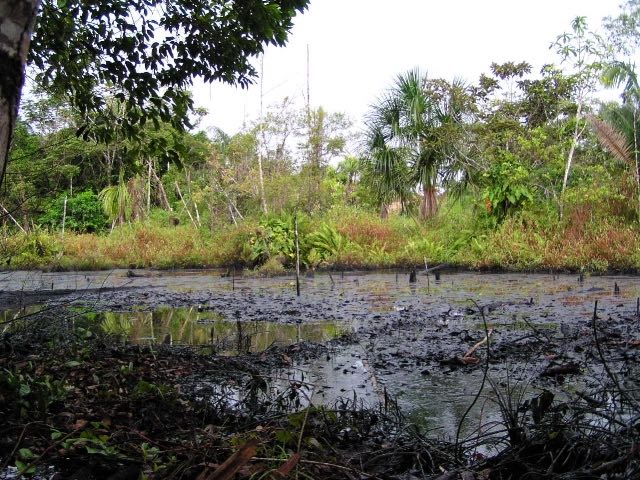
[(473, 349)]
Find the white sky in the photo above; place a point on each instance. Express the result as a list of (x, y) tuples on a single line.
[(357, 47)]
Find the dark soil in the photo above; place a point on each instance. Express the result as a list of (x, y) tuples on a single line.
[(564, 381)]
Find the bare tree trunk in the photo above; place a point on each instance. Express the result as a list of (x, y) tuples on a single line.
[(149, 188), (17, 19), (230, 203), (195, 205), (263, 198), (635, 155), (572, 151), (429, 204), (185, 205), (163, 192), (12, 218)]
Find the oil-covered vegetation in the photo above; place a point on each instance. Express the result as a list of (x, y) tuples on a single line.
[(89, 395), (521, 170)]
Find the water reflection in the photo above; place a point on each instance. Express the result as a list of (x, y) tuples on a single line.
[(399, 313), (188, 326)]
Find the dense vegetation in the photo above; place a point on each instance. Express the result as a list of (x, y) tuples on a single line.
[(521, 170)]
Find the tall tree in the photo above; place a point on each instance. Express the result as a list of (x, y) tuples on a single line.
[(148, 51), (581, 48), (324, 136), (620, 130), (418, 122), (17, 18)]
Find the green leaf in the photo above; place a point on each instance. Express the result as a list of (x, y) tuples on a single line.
[(285, 436), (24, 390), (22, 468), (26, 454)]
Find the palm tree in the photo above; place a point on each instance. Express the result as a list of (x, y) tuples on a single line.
[(385, 171), (413, 134), (619, 131), (116, 201), (349, 171)]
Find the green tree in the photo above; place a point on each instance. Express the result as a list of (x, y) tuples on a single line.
[(413, 136), (117, 201), (324, 136), (623, 30), (348, 173), (619, 132), (146, 51), (385, 171), (582, 48), (83, 213)]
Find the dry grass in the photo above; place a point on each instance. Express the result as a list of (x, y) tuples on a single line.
[(523, 244)]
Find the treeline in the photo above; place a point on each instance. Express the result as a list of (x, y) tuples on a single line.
[(521, 169)]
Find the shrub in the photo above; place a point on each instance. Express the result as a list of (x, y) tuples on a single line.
[(84, 213), (272, 267)]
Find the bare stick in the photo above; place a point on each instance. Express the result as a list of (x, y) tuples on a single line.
[(13, 219), (473, 349), (64, 215), (295, 221), (484, 379), (185, 205), (612, 377)]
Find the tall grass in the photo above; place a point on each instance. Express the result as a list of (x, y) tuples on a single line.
[(459, 235)]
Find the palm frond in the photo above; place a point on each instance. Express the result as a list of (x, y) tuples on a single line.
[(622, 74), (612, 139)]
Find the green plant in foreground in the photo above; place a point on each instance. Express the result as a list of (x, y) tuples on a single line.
[(24, 462), (32, 395), (326, 241), (275, 236), (93, 439), (508, 187), (30, 249)]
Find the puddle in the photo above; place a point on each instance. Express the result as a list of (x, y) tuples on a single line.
[(188, 326)]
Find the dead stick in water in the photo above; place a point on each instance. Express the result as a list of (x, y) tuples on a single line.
[(473, 349), (295, 221)]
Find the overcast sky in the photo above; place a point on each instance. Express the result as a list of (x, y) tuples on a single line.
[(357, 47)]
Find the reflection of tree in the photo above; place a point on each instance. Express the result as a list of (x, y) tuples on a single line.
[(187, 327), (140, 320), (116, 324)]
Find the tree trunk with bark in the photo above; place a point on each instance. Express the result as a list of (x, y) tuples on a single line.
[(17, 19), (574, 143), (429, 203)]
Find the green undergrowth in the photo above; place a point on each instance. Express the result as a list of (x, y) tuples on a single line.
[(461, 235)]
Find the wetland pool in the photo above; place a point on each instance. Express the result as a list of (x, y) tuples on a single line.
[(384, 337)]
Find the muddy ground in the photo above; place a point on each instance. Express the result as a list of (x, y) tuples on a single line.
[(408, 344)]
